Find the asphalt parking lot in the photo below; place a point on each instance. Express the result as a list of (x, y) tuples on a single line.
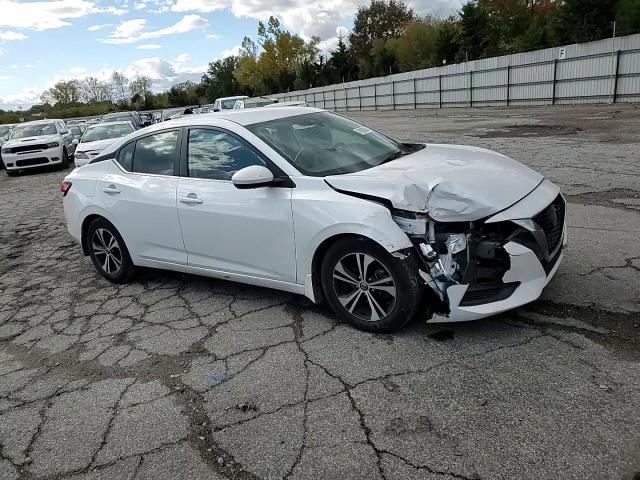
[(180, 377)]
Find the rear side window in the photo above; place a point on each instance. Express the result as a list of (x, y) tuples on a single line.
[(156, 154), (125, 157)]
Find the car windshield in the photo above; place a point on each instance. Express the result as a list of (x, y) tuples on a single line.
[(34, 130), (228, 104), (323, 143), (75, 130), (103, 132), (4, 132)]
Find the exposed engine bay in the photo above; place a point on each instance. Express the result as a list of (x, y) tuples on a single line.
[(477, 255)]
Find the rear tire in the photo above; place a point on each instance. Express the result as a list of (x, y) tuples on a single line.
[(368, 287), (108, 251)]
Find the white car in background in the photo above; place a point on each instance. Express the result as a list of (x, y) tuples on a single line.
[(98, 137), (307, 201), (39, 143), (227, 103), (5, 131)]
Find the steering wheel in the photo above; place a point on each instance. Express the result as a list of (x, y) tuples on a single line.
[(307, 159)]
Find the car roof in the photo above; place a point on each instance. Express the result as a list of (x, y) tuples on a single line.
[(115, 122), (244, 117), (247, 116), (237, 97), (34, 122)]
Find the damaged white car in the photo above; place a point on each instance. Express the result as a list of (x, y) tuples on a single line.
[(310, 202)]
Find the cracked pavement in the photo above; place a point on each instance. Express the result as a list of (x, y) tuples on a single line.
[(181, 377)]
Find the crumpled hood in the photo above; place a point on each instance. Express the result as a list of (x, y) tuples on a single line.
[(452, 183), (98, 145), (32, 140)]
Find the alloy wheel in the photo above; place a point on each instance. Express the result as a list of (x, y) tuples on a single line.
[(364, 286), (107, 251)]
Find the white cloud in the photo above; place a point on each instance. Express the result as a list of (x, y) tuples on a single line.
[(27, 97), (212, 36), (9, 36), (45, 15), (131, 31), (307, 17), (6, 77), (229, 52), (149, 46), (183, 58), (95, 28), (77, 70)]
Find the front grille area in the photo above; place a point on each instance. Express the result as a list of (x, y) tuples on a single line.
[(481, 294), (30, 162), (551, 220), (27, 148)]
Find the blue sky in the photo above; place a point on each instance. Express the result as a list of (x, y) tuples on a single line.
[(169, 40)]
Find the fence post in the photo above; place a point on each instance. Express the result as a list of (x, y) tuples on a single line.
[(359, 99), (508, 83), (615, 78), (375, 96), (393, 94), (324, 103), (415, 95), (439, 90), (555, 72), (471, 88)]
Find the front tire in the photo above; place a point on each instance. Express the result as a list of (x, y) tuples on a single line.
[(368, 287), (65, 159), (108, 252)]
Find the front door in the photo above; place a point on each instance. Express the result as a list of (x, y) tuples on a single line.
[(248, 231)]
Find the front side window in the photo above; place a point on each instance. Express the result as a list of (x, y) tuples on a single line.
[(156, 154), (217, 155), (322, 143)]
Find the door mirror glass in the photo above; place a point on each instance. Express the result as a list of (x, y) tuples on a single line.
[(253, 176)]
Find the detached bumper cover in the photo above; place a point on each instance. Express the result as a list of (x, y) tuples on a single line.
[(526, 269)]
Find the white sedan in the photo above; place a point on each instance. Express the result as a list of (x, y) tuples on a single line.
[(98, 137), (307, 201)]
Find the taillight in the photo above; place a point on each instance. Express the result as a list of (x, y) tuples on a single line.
[(65, 187)]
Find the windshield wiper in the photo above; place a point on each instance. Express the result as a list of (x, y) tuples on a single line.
[(393, 156)]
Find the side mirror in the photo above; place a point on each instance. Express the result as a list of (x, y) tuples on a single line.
[(75, 141), (254, 176)]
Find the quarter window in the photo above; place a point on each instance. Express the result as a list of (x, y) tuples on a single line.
[(156, 154), (217, 155), (125, 157)]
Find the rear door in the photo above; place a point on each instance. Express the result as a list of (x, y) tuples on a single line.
[(141, 197)]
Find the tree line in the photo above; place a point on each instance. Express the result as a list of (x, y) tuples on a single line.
[(387, 37)]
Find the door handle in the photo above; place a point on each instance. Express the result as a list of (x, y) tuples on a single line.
[(111, 189), (191, 199)]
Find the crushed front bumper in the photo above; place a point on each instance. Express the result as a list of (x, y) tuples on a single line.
[(526, 269)]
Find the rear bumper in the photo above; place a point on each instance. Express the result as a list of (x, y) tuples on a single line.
[(526, 269)]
